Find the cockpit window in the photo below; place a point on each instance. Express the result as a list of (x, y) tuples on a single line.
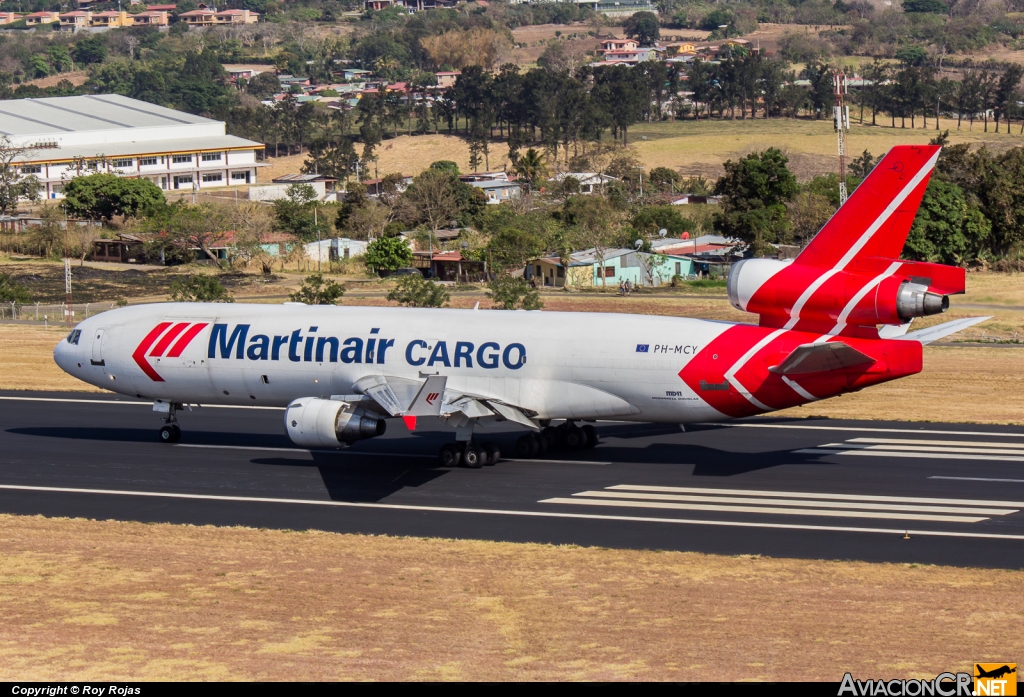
[(73, 336)]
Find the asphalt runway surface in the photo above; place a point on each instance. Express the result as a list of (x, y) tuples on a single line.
[(809, 488)]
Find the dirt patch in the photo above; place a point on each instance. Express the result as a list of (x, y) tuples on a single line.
[(90, 600), (76, 78)]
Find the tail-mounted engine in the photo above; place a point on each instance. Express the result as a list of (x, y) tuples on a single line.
[(314, 422), (877, 291)]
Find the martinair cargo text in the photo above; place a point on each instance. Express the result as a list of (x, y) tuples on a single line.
[(833, 320)]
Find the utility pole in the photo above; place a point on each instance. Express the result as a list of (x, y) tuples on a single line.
[(67, 273), (841, 122)]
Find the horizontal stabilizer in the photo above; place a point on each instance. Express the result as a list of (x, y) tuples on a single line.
[(819, 358), (940, 331), (428, 400), (893, 331)]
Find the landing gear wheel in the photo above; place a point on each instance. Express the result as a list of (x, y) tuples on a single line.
[(526, 446), (450, 455), (575, 439), (170, 434), (472, 457), (554, 437), (591, 433), (493, 454), (542, 444)]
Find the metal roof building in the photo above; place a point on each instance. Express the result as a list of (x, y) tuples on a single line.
[(65, 137)]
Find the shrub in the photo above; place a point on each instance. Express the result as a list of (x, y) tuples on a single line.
[(316, 290), (416, 291), (512, 293), (200, 288)]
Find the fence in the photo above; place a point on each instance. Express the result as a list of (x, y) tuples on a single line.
[(53, 312)]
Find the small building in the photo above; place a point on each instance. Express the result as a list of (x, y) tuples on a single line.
[(497, 191), (323, 186), (335, 248), (447, 78), (590, 182), (375, 187), (75, 21), (496, 176), (618, 45), (209, 17), (37, 18), (152, 18), (125, 249), (613, 266), (111, 19), (449, 266), (9, 17)]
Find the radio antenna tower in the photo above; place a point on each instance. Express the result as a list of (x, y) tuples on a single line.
[(841, 122)]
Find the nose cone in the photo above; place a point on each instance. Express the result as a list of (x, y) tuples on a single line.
[(63, 355)]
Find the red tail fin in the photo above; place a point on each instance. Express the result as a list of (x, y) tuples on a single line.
[(875, 221), (849, 278)]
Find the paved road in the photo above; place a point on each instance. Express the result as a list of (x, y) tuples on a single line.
[(783, 487)]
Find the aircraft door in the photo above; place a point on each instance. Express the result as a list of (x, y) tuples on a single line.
[(97, 347)]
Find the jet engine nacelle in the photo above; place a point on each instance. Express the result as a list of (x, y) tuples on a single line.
[(892, 300), (313, 422)]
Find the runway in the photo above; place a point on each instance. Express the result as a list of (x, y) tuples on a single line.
[(809, 488)]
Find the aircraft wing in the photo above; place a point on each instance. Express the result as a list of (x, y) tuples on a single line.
[(940, 331), (819, 358)]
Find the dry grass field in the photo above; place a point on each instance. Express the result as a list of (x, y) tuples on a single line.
[(700, 147), (89, 600)]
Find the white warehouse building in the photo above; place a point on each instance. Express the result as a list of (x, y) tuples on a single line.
[(70, 136)]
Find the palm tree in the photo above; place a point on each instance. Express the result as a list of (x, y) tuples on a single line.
[(530, 166)]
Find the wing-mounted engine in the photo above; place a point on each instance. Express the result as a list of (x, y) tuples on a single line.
[(314, 422), (849, 279)]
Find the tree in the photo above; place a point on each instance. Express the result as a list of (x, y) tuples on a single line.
[(433, 198), (808, 213), (13, 292), (650, 219), (253, 224), (297, 214), (514, 293), (388, 254), (946, 229), (199, 288), (184, 228), (416, 291), (90, 50), (102, 196), (755, 190), (933, 6), (263, 86), (531, 166), (446, 166), (316, 290), (643, 26), (862, 165), (664, 179), (14, 183)]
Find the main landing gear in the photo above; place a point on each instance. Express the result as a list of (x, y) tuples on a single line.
[(568, 436), (170, 433), (469, 454)]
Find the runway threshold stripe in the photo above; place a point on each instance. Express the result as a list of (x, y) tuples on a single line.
[(805, 495), (124, 402), (868, 429), (793, 503), (896, 453), (995, 450), (943, 443), (981, 479), (765, 510), (525, 514)]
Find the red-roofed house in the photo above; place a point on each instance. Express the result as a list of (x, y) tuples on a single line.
[(618, 45), (112, 19), (73, 21), (152, 18), (37, 18)]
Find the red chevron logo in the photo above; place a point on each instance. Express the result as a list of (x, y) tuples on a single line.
[(176, 335)]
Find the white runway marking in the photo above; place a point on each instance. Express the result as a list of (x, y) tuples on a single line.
[(765, 510), (981, 479), (527, 514), (891, 453), (873, 430), (124, 402), (791, 503)]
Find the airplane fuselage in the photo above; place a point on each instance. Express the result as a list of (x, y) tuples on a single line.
[(554, 365)]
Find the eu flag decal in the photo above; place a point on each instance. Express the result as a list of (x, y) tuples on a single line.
[(642, 348)]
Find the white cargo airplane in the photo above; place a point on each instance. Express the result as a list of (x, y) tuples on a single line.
[(342, 372)]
